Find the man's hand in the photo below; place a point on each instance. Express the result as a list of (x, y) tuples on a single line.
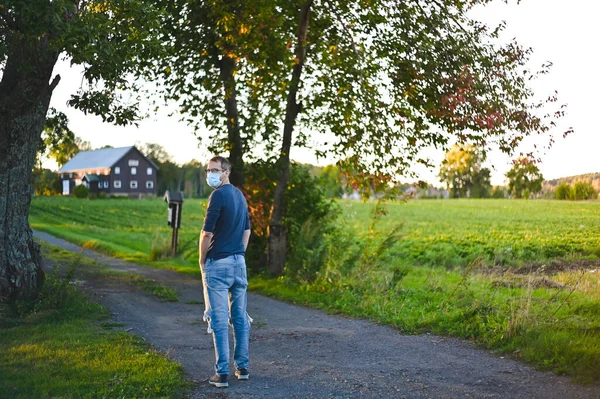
[(203, 245)]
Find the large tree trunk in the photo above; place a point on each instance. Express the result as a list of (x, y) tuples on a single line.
[(25, 92), (227, 69), (277, 244)]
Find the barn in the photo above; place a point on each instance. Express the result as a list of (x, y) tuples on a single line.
[(121, 171)]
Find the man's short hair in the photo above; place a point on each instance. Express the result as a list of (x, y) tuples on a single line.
[(225, 164)]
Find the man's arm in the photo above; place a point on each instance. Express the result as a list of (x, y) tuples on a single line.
[(205, 238), (246, 238)]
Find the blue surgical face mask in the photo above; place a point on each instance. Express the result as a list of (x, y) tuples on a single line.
[(213, 179)]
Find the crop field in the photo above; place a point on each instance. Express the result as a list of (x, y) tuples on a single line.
[(519, 277)]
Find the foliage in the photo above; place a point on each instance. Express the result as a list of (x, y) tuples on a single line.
[(584, 191), (524, 178), (80, 191), (305, 200), (112, 39), (46, 182), (58, 142), (497, 192), (564, 192), (380, 102), (330, 178), (463, 173)]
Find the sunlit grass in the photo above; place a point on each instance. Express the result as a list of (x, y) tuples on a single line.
[(62, 346)]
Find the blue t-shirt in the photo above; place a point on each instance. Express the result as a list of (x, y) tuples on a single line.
[(227, 218)]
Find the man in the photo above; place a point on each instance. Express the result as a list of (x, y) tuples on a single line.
[(223, 243)]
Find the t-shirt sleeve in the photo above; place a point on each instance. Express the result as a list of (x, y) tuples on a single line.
[(213, 211), (247, 226)]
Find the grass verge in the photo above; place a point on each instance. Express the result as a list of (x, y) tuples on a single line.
[(555, 327), (61, 345)]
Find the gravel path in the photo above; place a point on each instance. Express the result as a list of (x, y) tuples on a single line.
[(296, 352)]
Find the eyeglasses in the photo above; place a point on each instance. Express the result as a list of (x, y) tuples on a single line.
[(215, 170)]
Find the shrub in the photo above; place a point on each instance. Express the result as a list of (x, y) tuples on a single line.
[(305, 199), (564, 192), (497, 192), (583, 191), (101, 195), (81, 191)]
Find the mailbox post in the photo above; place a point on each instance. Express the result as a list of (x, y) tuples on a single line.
[(175, 203)]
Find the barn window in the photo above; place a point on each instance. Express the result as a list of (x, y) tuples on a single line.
[(149, 184), (117, 184), (133, 184)]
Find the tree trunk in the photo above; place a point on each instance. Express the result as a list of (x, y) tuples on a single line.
[(277, 244), (236, 151), (25, 94)]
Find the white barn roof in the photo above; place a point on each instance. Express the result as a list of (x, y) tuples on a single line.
[(96, 159)]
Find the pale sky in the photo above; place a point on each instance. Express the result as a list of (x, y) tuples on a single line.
[(560, 31)]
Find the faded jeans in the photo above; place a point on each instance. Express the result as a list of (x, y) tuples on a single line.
[(225, 284)]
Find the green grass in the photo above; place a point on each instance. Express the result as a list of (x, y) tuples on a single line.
[(62, 346), (435, 232), (555, 329), (456, 232), (467, 268), (124, 228)]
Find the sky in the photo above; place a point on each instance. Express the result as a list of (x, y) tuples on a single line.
[(563, 32)]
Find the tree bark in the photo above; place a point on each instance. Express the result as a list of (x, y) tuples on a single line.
[(25, 92), (277, 244), (236, 151)]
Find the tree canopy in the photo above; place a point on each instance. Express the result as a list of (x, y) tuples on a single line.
[(463, 173), (382, 79), (524, 178)]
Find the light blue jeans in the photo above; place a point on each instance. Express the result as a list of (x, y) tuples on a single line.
[(225, 284)]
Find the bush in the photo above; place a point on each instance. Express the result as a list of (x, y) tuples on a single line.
[(584, 191), (564, 192), (305, 200), (81, 191), (497, 192), (101, 195)]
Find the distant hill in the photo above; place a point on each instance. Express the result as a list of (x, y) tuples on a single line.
[(594, 178)]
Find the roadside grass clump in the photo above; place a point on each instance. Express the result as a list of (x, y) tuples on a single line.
[(59, 346), (160, 249)]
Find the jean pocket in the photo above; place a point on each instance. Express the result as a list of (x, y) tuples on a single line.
[(219, 277)]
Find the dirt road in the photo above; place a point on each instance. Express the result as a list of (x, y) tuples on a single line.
[(297, 352)]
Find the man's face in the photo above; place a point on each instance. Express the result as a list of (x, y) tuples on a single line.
[(215, 167)]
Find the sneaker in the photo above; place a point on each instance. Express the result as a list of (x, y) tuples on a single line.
[(242, 374), (220, 381)]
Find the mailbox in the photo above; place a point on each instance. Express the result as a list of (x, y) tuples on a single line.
[(175, 203)]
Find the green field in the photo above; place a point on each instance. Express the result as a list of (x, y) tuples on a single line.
[(437, 233), (519, 277)]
